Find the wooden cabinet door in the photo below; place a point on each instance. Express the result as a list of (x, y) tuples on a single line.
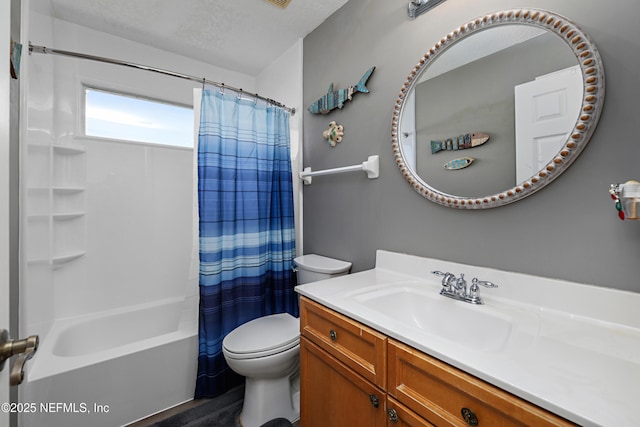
[(333, 395)]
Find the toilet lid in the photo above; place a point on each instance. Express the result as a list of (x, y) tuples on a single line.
[(321, 264), (264, 335)]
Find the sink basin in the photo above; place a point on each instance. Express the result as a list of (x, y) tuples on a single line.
[(474, 326)]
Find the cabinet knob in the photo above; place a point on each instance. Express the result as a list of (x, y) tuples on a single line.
[(333, 335), (374, 400), (393, 415), (469, 417)]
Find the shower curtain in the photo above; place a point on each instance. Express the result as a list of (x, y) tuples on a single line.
[(247, 236)]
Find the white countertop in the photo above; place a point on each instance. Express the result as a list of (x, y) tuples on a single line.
[(577, 354)]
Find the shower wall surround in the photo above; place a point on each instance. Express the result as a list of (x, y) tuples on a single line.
[(107, 226), (568, 230), (102, 230)]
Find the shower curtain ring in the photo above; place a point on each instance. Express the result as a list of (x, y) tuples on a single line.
[(222, 88)]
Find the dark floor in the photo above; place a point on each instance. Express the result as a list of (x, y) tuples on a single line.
[(222, 411)]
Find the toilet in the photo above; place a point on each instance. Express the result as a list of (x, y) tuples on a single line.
[(266, 351)]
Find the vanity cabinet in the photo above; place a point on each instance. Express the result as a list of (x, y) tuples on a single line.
[(353, 376)]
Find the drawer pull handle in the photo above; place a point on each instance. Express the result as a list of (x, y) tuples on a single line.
[(333, 335), (469, 417), (393, 415), (374, 400)]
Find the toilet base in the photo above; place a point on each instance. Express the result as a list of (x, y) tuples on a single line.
[(268, 398)]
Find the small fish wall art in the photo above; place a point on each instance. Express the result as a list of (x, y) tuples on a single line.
[(460, 163), (336, 99), (334, 134), (460, 142)]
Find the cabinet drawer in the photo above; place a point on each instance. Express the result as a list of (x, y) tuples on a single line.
[(441, 393), (359, 347)]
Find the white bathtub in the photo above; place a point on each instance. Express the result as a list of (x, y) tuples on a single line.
[(113, 368)]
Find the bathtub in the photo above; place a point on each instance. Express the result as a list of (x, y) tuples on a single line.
[(113, 368)]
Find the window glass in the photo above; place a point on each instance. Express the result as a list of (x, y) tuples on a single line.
[(125, 117)]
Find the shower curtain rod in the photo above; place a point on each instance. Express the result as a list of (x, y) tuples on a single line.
[(222, 86)]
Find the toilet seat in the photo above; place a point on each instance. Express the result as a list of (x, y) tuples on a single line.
[(263, 336)]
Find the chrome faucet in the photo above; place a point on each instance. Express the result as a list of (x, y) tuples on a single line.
[(447, 280), (456, 288), (461, 286)]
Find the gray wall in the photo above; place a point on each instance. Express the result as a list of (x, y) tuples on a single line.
[(568, 230)]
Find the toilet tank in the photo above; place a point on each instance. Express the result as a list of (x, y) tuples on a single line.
[(312, 268)]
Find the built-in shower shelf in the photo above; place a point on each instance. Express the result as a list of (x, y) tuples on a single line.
[(55, 197), (67, 216), (67, 190), (57, 217), (66, 149), (63, 259)]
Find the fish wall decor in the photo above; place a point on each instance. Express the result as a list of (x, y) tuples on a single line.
[(336, 99), (460, 142), (457, 164)]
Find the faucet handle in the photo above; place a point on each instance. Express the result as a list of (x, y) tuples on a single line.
[(475, 282), (473, 291), (446, 277)]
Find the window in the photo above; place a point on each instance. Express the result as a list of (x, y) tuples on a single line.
[(126, 117)]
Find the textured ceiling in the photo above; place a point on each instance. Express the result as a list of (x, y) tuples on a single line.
[(240, 35)]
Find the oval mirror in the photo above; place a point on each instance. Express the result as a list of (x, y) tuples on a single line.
[(498, 109)]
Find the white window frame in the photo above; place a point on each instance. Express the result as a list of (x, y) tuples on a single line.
[(127, 94)]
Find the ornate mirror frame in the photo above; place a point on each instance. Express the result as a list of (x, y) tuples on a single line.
[(592, 101)]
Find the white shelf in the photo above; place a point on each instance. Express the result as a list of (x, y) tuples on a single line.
[(55, 202), (68, 190), (66, 149), (63, 259), (67, 216)]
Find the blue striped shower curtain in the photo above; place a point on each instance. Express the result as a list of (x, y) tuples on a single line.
[(247, 236)]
